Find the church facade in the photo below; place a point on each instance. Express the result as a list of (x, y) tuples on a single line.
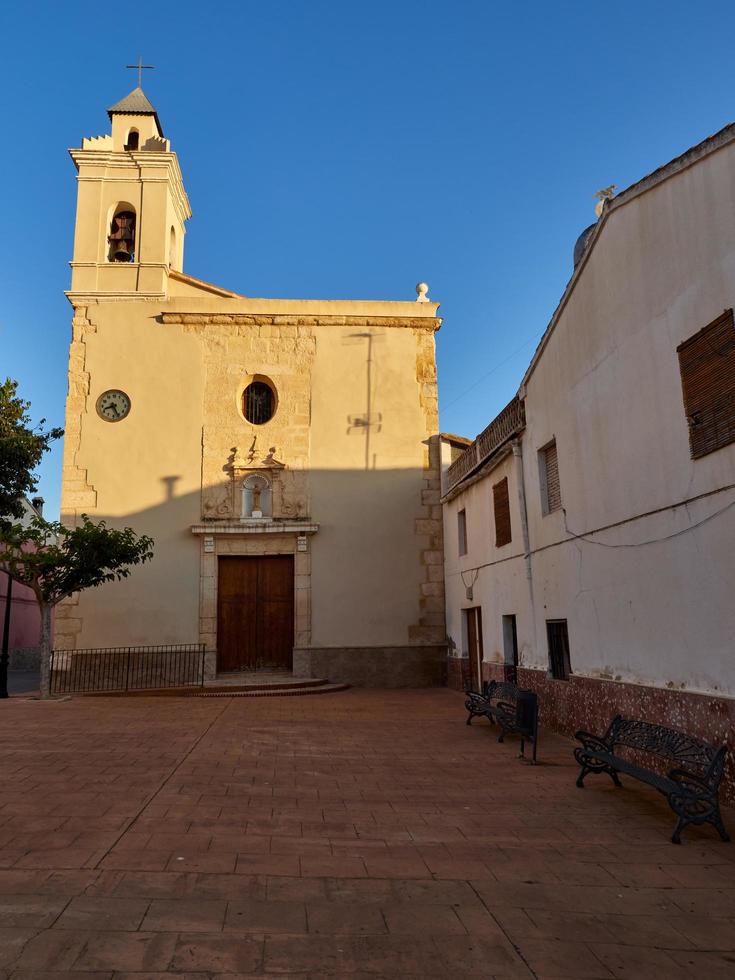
[(281, 453)]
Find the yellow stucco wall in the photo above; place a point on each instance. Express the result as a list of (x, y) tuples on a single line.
[(159, 468)]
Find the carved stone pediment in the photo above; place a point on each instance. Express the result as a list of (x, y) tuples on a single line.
[(288, 488), (253, 458), (216, 503)]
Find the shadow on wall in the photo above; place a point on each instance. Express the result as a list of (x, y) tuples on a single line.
[(376, 562), (367, 422)]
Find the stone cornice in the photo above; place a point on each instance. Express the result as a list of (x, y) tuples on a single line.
[(257, 319), (127, 158), (119, 265), (87, 298), (264, 526), (140, 162)]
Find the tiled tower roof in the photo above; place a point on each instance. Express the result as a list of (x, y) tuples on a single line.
[(135, 103)]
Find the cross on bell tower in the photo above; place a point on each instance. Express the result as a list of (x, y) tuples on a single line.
[(141, 68)]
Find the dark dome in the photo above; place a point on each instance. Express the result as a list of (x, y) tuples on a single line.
[(581, 243)]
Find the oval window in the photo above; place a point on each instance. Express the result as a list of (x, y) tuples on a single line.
[(258, 403)]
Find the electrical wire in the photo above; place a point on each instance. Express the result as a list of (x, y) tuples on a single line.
[(492, 370), (585, 536), (640, 544)]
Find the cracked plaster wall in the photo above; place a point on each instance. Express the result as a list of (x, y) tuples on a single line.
[(607, 388)]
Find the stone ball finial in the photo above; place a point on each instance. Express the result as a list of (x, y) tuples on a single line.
[(422, 291)]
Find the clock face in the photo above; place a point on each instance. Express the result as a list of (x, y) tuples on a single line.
[(113, 405)]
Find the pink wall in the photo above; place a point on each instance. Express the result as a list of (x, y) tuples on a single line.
[(25, 619)]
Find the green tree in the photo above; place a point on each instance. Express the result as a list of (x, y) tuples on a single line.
[(56, 561), (21, 449)]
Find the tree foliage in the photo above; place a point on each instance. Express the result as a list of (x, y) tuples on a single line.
[(56, 561), (21, 449)]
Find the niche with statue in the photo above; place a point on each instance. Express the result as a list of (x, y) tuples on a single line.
[(257, 498)]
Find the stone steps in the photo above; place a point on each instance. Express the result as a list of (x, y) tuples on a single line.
[(247, 686), (266, 691)]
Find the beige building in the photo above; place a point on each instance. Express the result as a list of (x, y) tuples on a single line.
[(589, 529), (279, 452)]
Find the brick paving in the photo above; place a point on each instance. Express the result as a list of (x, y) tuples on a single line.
[(361, 834)]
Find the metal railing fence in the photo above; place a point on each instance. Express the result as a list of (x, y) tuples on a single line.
[(144, 668)]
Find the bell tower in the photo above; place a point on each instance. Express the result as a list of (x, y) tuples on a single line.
[(131, 208)]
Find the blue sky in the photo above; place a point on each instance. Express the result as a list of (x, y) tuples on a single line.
[(340, 150)]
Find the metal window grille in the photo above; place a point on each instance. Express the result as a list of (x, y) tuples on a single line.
[(557, 636), (707, 367), (462, 532), (258, 403), (501, 506), (551, 476)]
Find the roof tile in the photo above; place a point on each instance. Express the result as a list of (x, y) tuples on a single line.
[(136, 101)]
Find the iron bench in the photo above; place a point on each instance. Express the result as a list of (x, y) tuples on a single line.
[(691, 788), (514, 709)]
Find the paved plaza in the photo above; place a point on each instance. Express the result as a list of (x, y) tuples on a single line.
[(357, 834)]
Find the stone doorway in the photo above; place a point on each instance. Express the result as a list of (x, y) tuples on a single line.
[(255, 613)]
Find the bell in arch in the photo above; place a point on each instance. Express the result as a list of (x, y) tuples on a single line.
[(121, 252), (122, 237)]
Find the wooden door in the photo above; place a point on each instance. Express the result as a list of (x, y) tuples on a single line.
[(255, 613), (474, 646)]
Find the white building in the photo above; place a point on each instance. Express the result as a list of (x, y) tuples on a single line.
[(589, 530)]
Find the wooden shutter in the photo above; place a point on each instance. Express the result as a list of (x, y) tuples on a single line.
[(707, 366), (462, 532), (502, 513), (553, 488)]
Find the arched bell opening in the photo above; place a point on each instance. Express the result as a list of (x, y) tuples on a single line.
[(121, 239), (133, 140)]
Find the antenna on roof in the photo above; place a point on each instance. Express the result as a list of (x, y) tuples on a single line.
[(604, 195)]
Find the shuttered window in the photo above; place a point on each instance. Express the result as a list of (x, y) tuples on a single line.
[(707, 366), (501, 505), (557, 635), (549, 473), (462, 532)]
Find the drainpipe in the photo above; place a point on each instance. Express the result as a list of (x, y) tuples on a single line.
[(520, 480)]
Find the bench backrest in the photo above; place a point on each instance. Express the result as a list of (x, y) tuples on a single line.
[(500, 691), (689, 752)]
